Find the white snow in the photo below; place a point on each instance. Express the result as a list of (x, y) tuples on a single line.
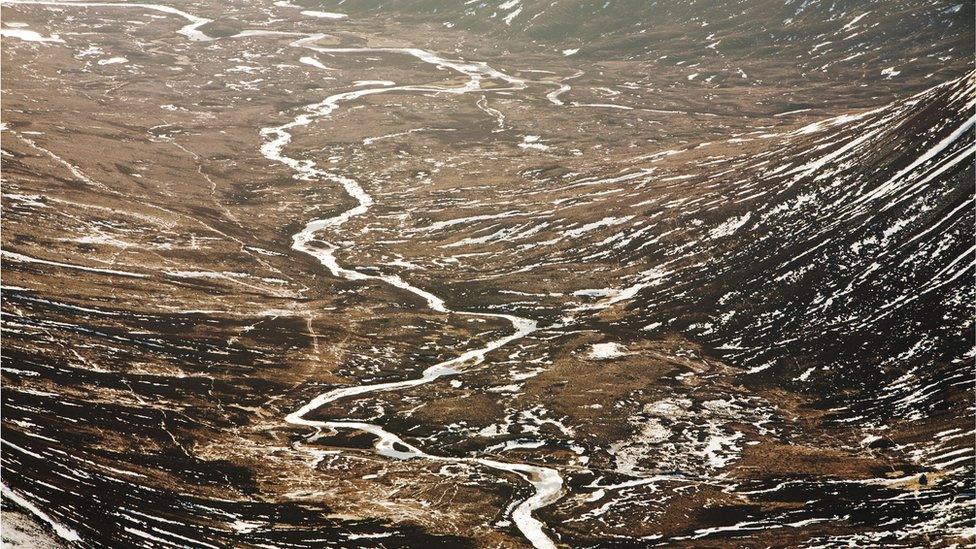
[(605, 222), (855, 20), (604, 351), (438, 225), (112, 61), (324, 14), (604, 106), (513, 15), (730, 226), (890, 73), (314, 63), (532, 142), (190, 30), (29, 35), (63, 531)]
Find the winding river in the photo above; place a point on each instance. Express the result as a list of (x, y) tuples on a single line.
[(546, 482)]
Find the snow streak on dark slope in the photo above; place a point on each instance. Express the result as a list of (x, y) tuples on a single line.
[(814, 35), (72, 455), (842, 265), (763, 340), (848, 242), (833, 264)]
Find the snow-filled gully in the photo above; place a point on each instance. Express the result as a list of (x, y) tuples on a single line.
[(547, 482)]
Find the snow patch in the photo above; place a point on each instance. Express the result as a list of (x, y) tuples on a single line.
[(605, 351), (890, 73), (113, 61), (324, 14), (311, 61), (531, 142), (29, 36), (730, 226)]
